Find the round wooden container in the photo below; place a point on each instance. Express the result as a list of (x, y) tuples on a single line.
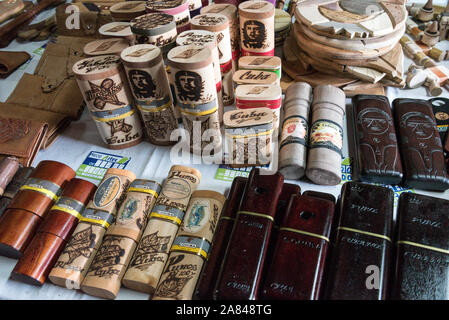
[(29, 206), (268, 64), (102, 82), (8, 168), (256, 28), (105, 46), (295, 128), (326, 135), (177, 8), (155, 28), (195, 7), (260, 96), (13, 187), (127, 10), (118, 30), (151, 90), (53, 233), (255, 77)]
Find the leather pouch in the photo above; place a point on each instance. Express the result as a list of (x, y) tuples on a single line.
[(11, 60)]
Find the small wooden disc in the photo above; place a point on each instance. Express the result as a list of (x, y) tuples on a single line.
[(213, 22), (105, 46), (190, 57), (116, 29)]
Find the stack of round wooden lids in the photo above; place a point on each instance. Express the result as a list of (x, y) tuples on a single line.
[(354, 38), (282, 23)]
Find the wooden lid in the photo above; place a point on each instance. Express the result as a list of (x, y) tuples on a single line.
[(247, 117), (116, 29), (254, 77), (210, 21), (168, 6), (127, 10), (141, 56), (96, 67), (197, 37), (208, 194), (105, 46), (121, 172), (190, 170), (258, 92), (298, 90), (153, 24), (282, 20), (227, 9), (327, 94), (258, 62), (256, 9), (189, 57)]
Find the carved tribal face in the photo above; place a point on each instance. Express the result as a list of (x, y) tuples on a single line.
[(375, 121), (419, 123)]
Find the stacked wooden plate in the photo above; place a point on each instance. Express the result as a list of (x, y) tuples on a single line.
[(352, 38), (282, 24)]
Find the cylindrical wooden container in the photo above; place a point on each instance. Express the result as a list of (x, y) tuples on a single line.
[(260, 96), (105, 47), (13, 187), (208, 39), (8, 168), (268, 64), (118, 30), (26, 211), (193, 75), (109, 265), (155, 28), (103, 85), (53, 233), (127, 10), (191, 247), (195, 7), (219, 25), (74, 261), (256, 28), (230, 11), (151, 254), (326, 135), (295, 130), (177, 8), (149, 85)]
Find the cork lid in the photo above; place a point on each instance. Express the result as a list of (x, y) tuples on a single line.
[(187, 170), (190, 57), (116, 29), (210, 21), (96, 67), (227, 9), (258, 92), (260, 63), (247, 117), (127, 10), (153, 24), (141, 55), (105, 46), (208, 194), (167, 6), (254, 77), (197, 37), (256, 9)]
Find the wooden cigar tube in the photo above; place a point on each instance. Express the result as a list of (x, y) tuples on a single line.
[(209, 275), (8, 168), (320, 195), (149, 259), (297, 266), (241, 270), (51, 236), (109, 265), (13, 187), (363, 241), (421, 249), (29, 206), (76, 258), (191, 246)]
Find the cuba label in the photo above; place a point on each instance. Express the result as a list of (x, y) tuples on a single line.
[(294, 130), (326, 134)]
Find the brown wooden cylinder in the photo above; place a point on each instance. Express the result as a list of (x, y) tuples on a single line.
[(25, 212), (60, 222)]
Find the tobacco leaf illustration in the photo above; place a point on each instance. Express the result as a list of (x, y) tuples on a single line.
[(153, 243), (172, 286), (80, 245)]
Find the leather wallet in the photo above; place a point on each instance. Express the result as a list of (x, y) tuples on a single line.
[(420, 145), (376, 157), (11, 60), (21, 138)]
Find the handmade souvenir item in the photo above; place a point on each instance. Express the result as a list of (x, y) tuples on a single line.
[(282, 24), (321, 195), (117, 30), (268, 64), (363, 243), (295, 128), (376, 152), (194, 7), (8, 168), (74, 262), (254, 77), (152, 252), (209, 275), (105, 46), (126, 11), (26, 211), (11, 60), (155, 28), (420, 145), (13, 187), (53, 233), (109, 265), (103, 84), (177, 8), (191, 247), (326, 136), (241, 270), (149, 85)]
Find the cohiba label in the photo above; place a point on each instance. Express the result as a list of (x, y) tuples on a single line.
[(326, 134), (69, 205), (107, 192), (294, 130), (45, 187)]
